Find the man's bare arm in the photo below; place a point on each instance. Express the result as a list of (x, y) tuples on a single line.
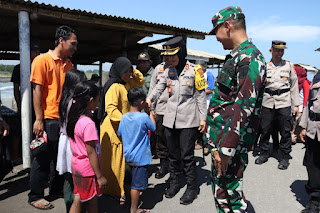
[(38, 125)]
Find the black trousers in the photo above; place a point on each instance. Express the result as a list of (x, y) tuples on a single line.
[(275, 133), (181, 151), (161, 141), (312, 162), (44, 165), (285, 125)]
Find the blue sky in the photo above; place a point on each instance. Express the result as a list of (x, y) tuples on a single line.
[(296, 22)]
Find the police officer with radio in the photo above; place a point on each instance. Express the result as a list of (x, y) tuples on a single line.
[(185, 114)]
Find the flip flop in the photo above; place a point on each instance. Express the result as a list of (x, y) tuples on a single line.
[(145, 211), (46, 205), (122, 200)]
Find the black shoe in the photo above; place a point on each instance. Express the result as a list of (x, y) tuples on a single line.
[(188, 196), (261, 159), (163, 170), (284, 163), (274, 152), (172, 190), (312, 207)]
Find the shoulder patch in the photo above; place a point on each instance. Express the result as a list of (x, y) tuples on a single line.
[(243, 67)]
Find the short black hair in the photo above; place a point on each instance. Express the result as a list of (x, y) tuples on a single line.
[(135, 95), (63, 32), (239, 23)]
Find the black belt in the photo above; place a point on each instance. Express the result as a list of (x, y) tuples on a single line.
[(276, 92), (314, 116)]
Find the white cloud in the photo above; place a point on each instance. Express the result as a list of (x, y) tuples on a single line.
[(270, 30)]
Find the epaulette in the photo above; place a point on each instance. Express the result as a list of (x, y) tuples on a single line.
[(191, 64), (160, 66)]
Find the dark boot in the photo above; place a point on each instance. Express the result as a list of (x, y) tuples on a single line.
[(188, 197), (284, 162), (312, 207), (173, 188), (262, 158), (164, 168)]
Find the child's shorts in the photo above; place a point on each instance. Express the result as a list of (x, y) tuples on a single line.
[(86, 187), (137, 177)]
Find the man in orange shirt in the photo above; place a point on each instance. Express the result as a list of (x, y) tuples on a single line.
[(47, 77)]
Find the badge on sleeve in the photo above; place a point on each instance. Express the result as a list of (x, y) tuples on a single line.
[(316, 85), (200, 80)]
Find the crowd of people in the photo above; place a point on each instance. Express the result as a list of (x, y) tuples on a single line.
[(168, 107)]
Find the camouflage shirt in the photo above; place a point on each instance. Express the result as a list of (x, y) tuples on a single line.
[(236, 101)]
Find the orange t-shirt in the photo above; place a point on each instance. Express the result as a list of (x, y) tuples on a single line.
[(50, 72)]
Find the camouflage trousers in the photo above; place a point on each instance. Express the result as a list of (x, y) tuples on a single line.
[(228, 189)]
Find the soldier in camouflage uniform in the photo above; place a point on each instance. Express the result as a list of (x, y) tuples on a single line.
[(234, 109)]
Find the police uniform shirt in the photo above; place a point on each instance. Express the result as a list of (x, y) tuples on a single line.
[(160, 104), (280, 78), (313, 105), (186, 105)]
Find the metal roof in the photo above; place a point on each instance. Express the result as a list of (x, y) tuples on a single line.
[(308, 68), (194, 55), (100, 36)]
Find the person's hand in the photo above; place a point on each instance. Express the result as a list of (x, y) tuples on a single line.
[(148, 101), (221, 162), (4, 128), (38, 127), (303, 135), (202, 126), (296, 111), (102, 181)]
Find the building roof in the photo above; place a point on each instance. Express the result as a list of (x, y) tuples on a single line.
[(308, 68), (100, 36), (195, 55)]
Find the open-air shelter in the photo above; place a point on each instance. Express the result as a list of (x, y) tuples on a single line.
[(101, 38)]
